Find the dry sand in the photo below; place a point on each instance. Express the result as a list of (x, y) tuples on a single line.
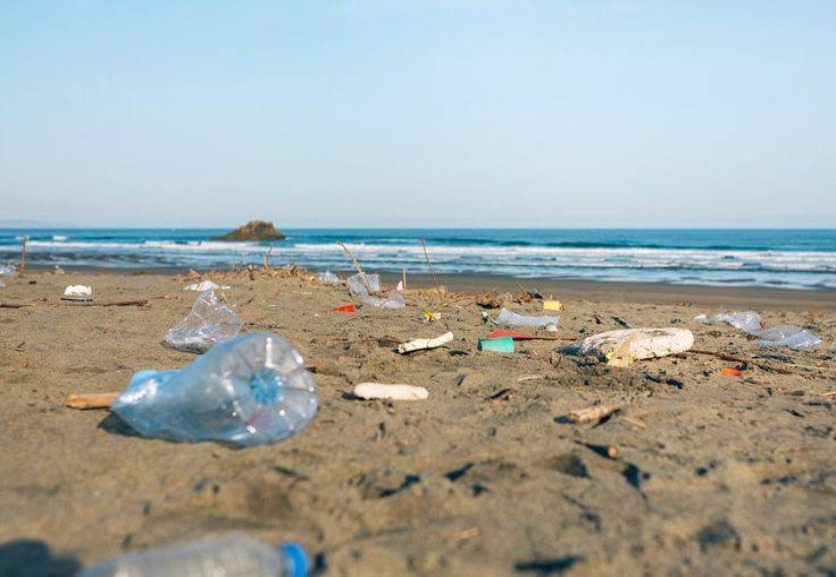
[(714, 474)]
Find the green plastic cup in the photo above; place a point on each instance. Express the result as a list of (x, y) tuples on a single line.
[(500, 345)]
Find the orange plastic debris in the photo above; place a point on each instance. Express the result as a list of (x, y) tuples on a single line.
[(345, 309), (731, 372)]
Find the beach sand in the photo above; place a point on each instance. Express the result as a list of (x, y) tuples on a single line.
[(713, 474)]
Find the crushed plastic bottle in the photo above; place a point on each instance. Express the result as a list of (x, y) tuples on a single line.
[(509, 318), (329, 277), (209, 322), (6, 271), (234, 555), (393, 300), (750, 323), (249, 390), (356, 286)]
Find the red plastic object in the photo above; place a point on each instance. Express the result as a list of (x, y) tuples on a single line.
[(514, 335), (345, 309), (731, 372)]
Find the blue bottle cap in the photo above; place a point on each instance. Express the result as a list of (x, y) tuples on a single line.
[(296, 559)]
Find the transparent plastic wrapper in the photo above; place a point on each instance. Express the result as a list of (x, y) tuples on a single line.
[(749, 322), (204, 286), (6, 271), (209, 322), (394, 300), (250, 390), (329, 277), (509, 318), (234, 555), (786, 336), (356, 286)]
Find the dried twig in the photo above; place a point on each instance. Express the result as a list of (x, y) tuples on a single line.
[(356, 265), (23, 255), (14, 305), (127, 303), (86, 401), (432, 273)]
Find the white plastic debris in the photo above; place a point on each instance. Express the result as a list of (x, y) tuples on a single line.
[(356, 286), (750, 323), (209, 322), (6, 271), (204, 286), (393, 392), (644, 343), (513, 319), (329, 277), (394, 300), (423, 344), (78, 291)]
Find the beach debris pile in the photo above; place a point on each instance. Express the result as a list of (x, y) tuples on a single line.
[(749, 322), (365, 286), (248, 390), (209, 322)]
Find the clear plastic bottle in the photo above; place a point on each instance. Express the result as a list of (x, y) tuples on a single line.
[(209, 322), (234, 555), (249, 390)]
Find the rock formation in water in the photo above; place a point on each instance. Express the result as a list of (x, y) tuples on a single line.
[(254, 230)]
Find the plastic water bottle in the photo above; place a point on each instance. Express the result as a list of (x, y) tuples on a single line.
[(231, 556), (249, 390), (209, 322)]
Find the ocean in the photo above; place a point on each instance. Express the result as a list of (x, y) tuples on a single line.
[(797, 259)]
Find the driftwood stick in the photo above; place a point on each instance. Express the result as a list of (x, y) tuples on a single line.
[(85, 401), (356, 265), (725, 357), (591, 414), (23, 256), (14, 305), (432, 272), (128, 303)]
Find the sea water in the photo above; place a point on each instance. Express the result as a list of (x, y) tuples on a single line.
[(801, 259)]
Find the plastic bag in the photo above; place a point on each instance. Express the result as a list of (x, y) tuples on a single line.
[(250, 390), (750, 322), (209, 322), (644, 343), (509, 318)]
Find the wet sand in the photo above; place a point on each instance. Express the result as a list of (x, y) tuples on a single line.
[(713, 474)]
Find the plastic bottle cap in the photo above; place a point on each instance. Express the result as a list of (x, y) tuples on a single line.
[(297, 560)]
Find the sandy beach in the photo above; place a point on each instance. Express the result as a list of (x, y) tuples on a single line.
[(711, 474)]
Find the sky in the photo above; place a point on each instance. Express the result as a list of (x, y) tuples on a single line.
[(419, 113)]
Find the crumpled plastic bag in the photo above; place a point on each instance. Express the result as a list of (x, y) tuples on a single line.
[(6, 271), (750, 322), (209, 322), (513, 319)]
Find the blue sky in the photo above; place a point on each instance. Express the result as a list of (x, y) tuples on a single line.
[(419, 113)]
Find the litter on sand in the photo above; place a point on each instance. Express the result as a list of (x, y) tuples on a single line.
[(497, 345), (506, 317), (329, 277), (205, 286), (423, 344), (209, 322), (250, 390), (749, 322), (646, 343), (392, 392), (78, 293)]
